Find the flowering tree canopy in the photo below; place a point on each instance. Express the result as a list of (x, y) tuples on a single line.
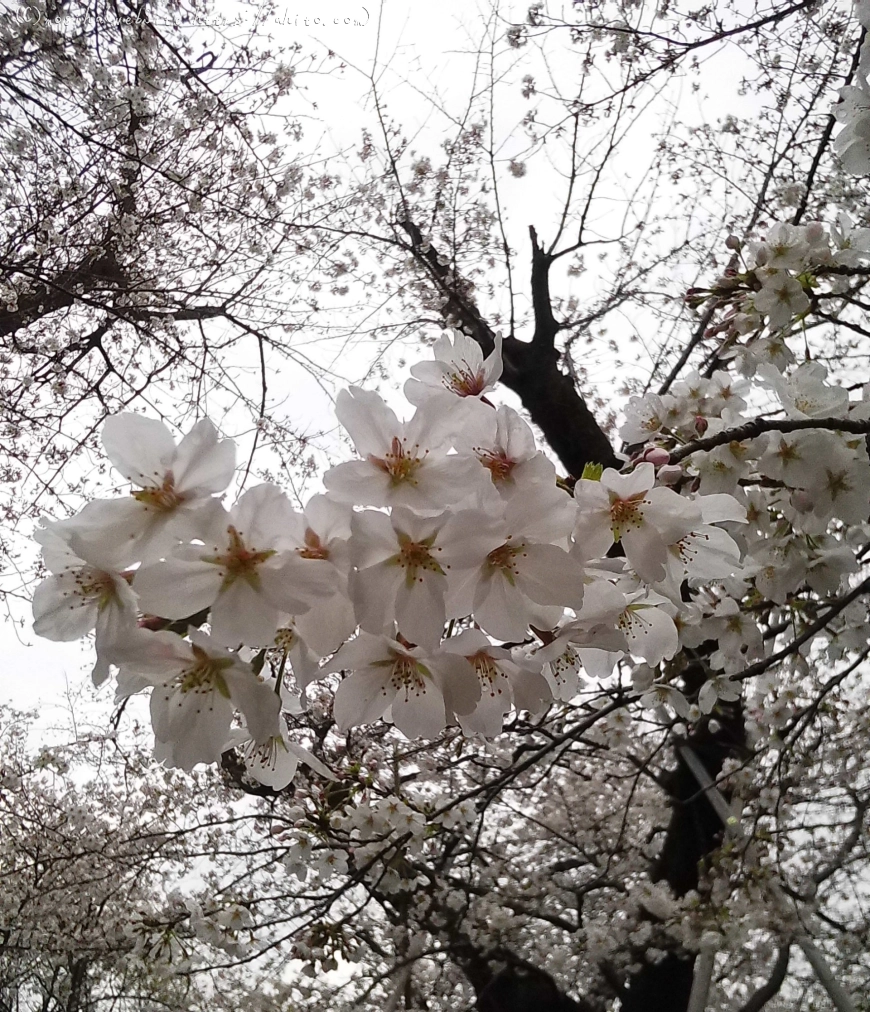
[(544, 701)]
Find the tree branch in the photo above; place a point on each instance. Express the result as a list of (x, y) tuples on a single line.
[(770, 989), (546, 327), (531, 370), (760, 425)]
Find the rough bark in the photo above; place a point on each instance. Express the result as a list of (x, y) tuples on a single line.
[(531, 368)]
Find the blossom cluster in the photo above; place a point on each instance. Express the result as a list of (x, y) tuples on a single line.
[(805, 489), (775, 287), (446, 573)]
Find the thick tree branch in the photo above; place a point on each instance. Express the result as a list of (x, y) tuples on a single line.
[(546, 326), (97, 271), (531, 369)]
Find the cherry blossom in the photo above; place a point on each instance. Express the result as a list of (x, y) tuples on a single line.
[(805, 394), (592, 640), (175, 484), (721, 470), (528, 579), (781, 299), (405, 564), (304, 662), (274, 762), (645, 417), (196, 686), (243, 572), (418, 687), (459, 368), (323, 532), (88, 590), (505, 445), (851, 244), (663, 695), (853, 111), (785, 247), (843, 488), (707, 553), (792, 457), (648, 626), (720, 687), (446, 574), (403, 464), (740, 639), (503, 682), (626, 508)]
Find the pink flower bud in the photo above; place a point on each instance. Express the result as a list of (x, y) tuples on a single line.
[(670, 474), (732, 242), (657, 455), (701, 424)]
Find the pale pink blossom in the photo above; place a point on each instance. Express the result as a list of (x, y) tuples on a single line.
[(406, 562), (626, 508), (648, 626), (785, 247), (243, 572), (505, 445), (174, 484), (459, 369), (740, 639), (716, 688), (781, 299), (196, 687), (645, 417), (851, 244), (592, 640), (417, 687), (528, 579), (274, 762), (721, 469), (853, 111), (87, 591), (805, 393), (323, 532), (403, 464), (793, 457), (708, 552), (661, 694), (503, 682)]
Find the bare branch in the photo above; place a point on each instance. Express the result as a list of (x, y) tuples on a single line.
[(771, 987), (761, 425)]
